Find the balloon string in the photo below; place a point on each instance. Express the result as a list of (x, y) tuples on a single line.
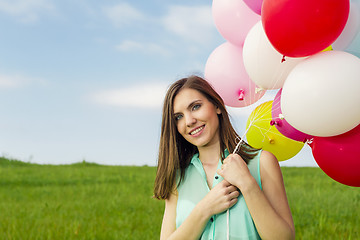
[(241, 140), (263, 131), (278, 72), (228, 211), (227, 227), (266, 131)]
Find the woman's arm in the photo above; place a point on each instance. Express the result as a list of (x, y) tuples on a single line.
[(269, 208), (220, 198), (168, 225)]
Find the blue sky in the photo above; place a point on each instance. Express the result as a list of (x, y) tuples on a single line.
[(84, 80)]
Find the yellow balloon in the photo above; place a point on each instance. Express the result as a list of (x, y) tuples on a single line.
[(260, 134), (329, 48)]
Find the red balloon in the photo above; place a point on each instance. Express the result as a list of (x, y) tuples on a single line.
[(339, 156), (299, 28)]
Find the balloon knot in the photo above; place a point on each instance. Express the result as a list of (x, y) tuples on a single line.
[(309, 142), (241, 95), (276, 122), (283, 59), (281, 116), (258, 89)]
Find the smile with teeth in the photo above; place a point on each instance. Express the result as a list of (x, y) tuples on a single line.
[(197, 130)]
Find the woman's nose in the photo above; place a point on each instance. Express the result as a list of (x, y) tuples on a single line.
[(190, 120)]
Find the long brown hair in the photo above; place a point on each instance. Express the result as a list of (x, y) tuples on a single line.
[(175, 152)]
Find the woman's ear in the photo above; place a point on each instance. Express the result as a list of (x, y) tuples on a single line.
[(218, 111)]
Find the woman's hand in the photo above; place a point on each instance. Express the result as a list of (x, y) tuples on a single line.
[(220, 198), (235, 171)]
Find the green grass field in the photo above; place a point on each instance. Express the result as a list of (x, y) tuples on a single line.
[(89, 201)]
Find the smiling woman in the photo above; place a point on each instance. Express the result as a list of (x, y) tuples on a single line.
[(200, 181), (196, 118)]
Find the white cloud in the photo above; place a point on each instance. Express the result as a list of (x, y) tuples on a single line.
[(16, 81), (191, 23), (9, 82), (123, 14), (27, 11), (148, 48), (138, 96)]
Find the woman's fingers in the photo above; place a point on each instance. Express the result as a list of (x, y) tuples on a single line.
[(229, 188), (236, 192), (233, 198), (232, 202), (232, 193), (223, 196)]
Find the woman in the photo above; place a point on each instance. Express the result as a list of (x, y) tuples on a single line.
[(199, 180)]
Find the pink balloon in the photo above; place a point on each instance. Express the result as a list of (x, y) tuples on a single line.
[(225, 71), (255, 5), (339, 156), (282, 125), (233, 19)]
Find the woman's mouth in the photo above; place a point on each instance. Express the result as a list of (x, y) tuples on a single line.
[(197, 130)]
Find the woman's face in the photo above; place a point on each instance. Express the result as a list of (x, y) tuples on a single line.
[(196, 118)]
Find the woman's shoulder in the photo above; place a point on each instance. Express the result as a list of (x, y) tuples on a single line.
[(269, 166), (268, 161), (267, 155)]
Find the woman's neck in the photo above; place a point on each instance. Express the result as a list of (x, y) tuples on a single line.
[(209, 157), (209, 154)]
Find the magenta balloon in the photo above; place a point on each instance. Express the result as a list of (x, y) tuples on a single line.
[(233, 19), (254, 5), (225, 71), (282, 125), (339, 156)]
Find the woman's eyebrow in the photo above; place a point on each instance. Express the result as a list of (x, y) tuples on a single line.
[(193, 102), (189, 106)]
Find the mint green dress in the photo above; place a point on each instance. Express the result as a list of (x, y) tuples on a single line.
[(194, 188)]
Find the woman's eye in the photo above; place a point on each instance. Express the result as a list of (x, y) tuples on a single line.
[(178, 117), (196, 106)]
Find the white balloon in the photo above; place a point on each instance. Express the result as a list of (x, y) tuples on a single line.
[(321, 95), (264, 64)]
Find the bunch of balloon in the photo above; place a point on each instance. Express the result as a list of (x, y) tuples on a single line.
[(278, 44), (319, 95)]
